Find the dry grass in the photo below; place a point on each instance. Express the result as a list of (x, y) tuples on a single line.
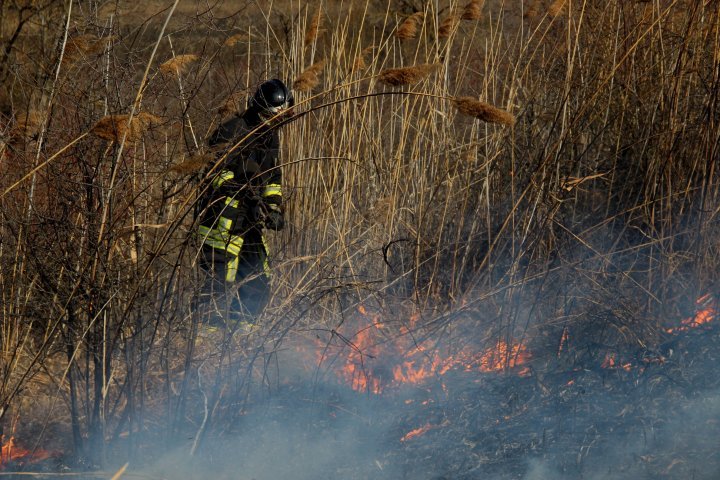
[(483, 111), (396, 77), (408, 29), (309, 78)]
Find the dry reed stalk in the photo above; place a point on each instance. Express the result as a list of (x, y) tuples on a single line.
[(314, 31), (237, 38), (178, 64), (359, 63), (407, 75), (483, 111), (409, 27), (114, 127), (193, 164), (473, 10), (448, 25), (309, 78), (533, 9), (557, 8)]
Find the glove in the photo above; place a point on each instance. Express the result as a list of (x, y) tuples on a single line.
[(274, 219)]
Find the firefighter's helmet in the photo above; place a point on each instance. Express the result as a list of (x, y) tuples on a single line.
[(272, 97)]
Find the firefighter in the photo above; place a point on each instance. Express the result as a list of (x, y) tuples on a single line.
[(244, 197)]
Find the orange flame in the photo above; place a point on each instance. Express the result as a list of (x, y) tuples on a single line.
[(11, 452), (503, 356), (416, 432), (610, 363), (563, 340), (705, 312), (410, 362), (407, 361)]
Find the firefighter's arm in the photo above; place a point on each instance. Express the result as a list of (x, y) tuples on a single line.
[(272, 198)]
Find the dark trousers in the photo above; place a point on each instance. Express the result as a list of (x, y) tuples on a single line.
[(245, 297)]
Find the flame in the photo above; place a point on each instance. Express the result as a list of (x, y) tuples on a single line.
[(610, 363), (408, 361), (563, 340), (705, 312), (503, 356), (405, 360), (354, 372), (416, 432), (11, 452)]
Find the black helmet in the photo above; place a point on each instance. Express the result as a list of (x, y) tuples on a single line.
[(271, 97)]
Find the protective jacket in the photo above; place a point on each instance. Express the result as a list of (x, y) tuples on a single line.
[(244, 196)]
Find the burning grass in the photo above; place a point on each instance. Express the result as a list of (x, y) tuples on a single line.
[(14, 456)]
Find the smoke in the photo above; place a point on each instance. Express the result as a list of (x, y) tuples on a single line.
[(658, 421), (306, 430), (280, 445), (685, 446)]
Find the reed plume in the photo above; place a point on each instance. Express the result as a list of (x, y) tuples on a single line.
[(309, 78), (234, 103), (27, 124), (314, 30), (557, 8), (533, 9), (359, 63), (473, 10), (448, 25), (483, 111), (84, 46), (237, 38), (193, 164), (408, 75), (178, 64), (409, 27), (114, 127)]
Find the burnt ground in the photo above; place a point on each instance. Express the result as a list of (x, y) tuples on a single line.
[(659, 418)]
